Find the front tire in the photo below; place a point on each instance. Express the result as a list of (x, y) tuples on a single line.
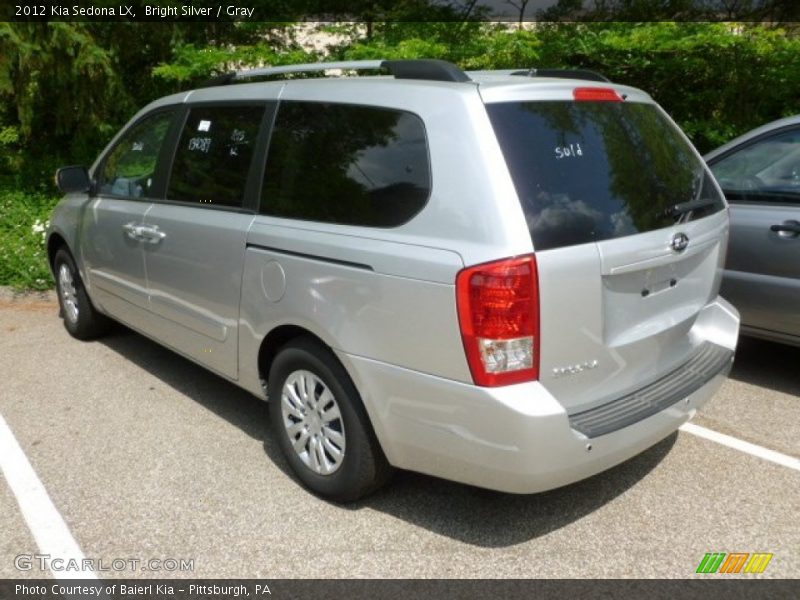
[(81, 319), (321, 425)]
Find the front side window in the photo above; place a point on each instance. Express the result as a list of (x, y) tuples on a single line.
[(766, 170), (591, 171), (346, 164), (129, 169), (214, 154)]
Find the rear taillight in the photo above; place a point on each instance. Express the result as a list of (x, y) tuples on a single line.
[(590, 94), (498, 311)]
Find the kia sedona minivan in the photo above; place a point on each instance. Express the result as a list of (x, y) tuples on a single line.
[(506, 278)]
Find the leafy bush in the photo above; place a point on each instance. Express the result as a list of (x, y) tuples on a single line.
[(23, 256)]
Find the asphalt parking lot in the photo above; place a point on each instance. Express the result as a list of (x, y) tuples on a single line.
[(146, 455)]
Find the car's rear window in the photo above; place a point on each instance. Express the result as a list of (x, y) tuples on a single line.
[(591, 171)]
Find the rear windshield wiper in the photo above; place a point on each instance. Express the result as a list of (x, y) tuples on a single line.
[(685, 207)]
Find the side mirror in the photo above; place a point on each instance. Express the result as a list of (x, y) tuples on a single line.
[(73, 179)]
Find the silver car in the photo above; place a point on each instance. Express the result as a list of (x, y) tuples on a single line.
[(500, 278), (760, 175)]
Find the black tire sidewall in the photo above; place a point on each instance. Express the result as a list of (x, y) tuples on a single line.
[(363, 465), (89, 322)]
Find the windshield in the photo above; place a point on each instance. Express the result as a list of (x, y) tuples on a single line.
[(591, 171)]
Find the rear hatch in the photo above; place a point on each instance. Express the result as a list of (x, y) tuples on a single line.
[(629, 231)]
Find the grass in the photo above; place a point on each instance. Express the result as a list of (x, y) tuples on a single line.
[(23, 257)]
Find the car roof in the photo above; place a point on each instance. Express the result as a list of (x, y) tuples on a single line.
[(513, 85), (493, 85)]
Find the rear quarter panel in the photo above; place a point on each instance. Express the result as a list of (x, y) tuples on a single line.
[(376, 299)]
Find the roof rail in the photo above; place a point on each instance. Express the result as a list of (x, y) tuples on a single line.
[(353, 65), (223, 79), (428, 69), (564, 74)]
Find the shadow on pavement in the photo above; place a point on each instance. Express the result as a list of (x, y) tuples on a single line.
[(472, 515), (767, 364), (218, 395), (494, 519)]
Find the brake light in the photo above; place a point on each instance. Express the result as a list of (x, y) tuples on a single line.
[(498, 312), (590, 94)]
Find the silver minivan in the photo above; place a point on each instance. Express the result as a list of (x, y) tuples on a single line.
[(508, 279)]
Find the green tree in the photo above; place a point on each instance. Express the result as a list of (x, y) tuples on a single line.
[(67, 87)]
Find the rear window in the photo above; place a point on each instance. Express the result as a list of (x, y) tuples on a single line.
[(591, 171)]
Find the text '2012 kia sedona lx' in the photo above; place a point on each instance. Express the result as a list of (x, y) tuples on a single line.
[(507, 279)]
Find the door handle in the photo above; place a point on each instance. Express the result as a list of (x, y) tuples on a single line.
[(151, 234), (133, 231), (787, 229)]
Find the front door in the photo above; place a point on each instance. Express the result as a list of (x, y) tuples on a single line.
[(111, 247)]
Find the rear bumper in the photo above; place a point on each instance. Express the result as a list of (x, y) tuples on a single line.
[(516, 438)]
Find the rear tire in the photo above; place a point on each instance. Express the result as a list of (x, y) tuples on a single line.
[(321, 425), (81, 319)]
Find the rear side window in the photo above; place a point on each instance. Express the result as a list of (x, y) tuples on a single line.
[(346, 164), (767, 170), (591, 171), (213, 155), (129, 169)]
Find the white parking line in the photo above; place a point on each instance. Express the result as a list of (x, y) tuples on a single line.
[(48, 528), (726, 440)]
